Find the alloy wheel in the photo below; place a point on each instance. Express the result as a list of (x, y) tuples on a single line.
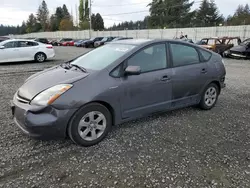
[(210, 96), (92, 126)]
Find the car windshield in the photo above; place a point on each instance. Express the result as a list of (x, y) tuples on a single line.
[(244, 43), (104, 39), (115, 39), (101, 57)]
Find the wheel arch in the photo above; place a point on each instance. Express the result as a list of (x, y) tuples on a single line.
[(216, 82), (40, 52), (105, 104)]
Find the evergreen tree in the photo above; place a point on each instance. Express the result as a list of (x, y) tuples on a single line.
[(58, 16), (98, 22), (169, 13), (208, 15), (43, 15), (81, 12), (65, 12), (241, 16)]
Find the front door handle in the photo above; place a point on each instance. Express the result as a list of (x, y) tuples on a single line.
[(204, 71), (165, 78)]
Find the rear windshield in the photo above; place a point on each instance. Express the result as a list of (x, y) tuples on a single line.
[(102, 57)]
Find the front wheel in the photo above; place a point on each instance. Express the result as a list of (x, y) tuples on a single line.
[(209, 97), (90, 125)]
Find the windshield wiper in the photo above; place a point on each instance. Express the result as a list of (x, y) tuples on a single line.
[(79, 67)]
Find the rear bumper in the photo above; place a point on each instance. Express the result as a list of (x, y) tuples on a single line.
[(41, 122), (50, 54)]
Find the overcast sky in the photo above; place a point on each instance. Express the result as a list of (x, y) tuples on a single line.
[(13, 12)]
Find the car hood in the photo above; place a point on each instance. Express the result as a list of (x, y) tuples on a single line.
[(239, 48), (48, 78)]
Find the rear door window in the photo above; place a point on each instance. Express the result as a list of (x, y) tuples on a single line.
[(183, 55)]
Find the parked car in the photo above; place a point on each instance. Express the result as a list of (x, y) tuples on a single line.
[(219, 44), (79, 43), (119, 38), (105, 39), (115, 83), (64, 40), (54, 42), (42, 40), (68, 43), (16, 50), (3, 38), (90, 43), (241, 51)]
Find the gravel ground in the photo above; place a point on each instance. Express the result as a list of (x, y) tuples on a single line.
[(183, 148)]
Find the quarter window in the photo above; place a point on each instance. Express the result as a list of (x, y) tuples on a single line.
[(150, 59), (205, 55), (184, 55)]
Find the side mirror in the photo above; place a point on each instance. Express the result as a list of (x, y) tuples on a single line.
[(2, 47), (133, 70)]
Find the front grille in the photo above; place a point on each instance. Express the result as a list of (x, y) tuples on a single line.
[(22, 99)]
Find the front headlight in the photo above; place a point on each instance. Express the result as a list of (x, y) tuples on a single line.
[(48, 96)]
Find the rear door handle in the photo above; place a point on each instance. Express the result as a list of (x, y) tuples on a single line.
[(165, 78), (204, 71)]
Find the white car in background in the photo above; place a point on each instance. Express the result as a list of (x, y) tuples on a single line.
[(15, 50)]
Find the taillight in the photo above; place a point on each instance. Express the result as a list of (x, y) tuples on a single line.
[(49, 47)]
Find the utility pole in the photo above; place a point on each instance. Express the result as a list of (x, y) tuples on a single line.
[(90, 23)]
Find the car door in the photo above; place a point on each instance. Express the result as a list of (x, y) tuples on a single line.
[(150, 91), (27, 50), (10, 52), (189, 74)]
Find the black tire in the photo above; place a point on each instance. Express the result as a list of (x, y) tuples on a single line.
[(40, 57), (203, 104), (75, 120)]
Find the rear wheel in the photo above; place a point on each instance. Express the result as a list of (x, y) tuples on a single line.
[(90, 125), (40, 57), (209, 97)]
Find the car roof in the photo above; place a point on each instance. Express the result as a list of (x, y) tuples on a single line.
[(139, 42), (13, 40), (136, 42)]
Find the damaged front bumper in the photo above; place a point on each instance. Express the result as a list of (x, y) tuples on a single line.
[(41, 122)]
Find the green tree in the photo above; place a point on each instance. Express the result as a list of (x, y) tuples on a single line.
[(23, 28), (31, 24), (81, 12), (58, 16), (169, 13), (98, 23), (65, 11), (53, 23), (241, 16), (86, 8), (43, 15), (84, 14), (208, 14)]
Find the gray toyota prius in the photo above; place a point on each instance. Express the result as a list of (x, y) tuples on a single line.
[(115, 83)]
